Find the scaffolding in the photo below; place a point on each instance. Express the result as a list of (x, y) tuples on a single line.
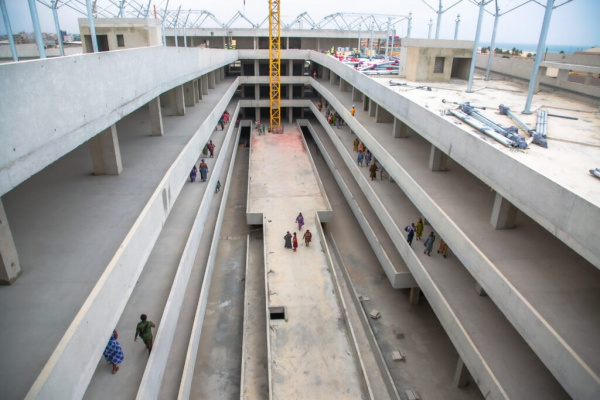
[(275, 65)]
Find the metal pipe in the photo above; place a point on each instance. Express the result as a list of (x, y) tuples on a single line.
[(409, 24), (538, 56), (36, 27), (371, 43), (359, 39), (92, 26), (492, 44), (387, 39), (439, 21), (184, 38), (457, 20), (475, 45), (11, 39), (60, 41), (121, 8), (430, 24), (485, 129)]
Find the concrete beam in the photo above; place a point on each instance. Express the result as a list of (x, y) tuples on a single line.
[(504, 214), (383, 115), (414, 295), (156, 124), (188, 94), (106, 156), (461, 374), (10, 268), (437, 159)]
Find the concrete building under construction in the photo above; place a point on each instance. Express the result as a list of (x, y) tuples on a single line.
[(100, 222)]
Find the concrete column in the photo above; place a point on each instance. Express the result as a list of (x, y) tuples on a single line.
[(256, 92), (223, 73), (217, 74), (332, 78), (437, 159), (290, 91), (344, 86), (256, 68), (413, 297), (10, 268), (356, 94), (372, 108), (287, 43), (290, 114), (188, 94), (400, 129), (480, 291), (197, 90), (106, 156), (212, 83), (504, 214), (461, 374), (165, 99), (563, 75), (255, 43), (177, 101), (205, 84), (302, 112), (257, 114), (588, 77), (291, 68), (382, 115), (366, 102), (326, 73), (318, 44), (156, 124)]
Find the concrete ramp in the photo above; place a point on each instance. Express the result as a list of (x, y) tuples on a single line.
[(310, 352)]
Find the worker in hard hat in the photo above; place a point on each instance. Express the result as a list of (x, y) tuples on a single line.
[(352, 110)]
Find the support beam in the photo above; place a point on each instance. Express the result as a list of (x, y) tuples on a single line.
[(10, 268), (197, 91), (332, 78), (212, 83), (382, 115), (344, 86), (176, 101), (356, 94), (461, 374), (437, 159), (217, 73), (106, 156), (156, 124), (366, 102), (188, 94), (205, 83), (415, 294), (504, 214), (400, 129), (326, 73), (222, 69), (372, 108)]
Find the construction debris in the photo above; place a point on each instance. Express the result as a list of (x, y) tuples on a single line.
[(397, 356), (375, 314)]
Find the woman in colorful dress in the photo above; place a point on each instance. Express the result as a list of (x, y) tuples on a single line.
[(113, 352)]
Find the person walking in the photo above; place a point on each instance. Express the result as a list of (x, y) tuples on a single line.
[(307, 237), (205, 150), (419, 228), (113, 353), (300, 221), (352, 110), (443, 248), (373, 171), (355, 143), (288, 240), (211, 148), (193, 174), (144, 330), (203, 170), (429, 244), (295, 241), (368, 158), (320, 106), (359, 159), (411, 233), (218, 187)]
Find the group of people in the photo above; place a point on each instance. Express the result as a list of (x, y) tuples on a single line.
[(333, 118), (209, 149), (416, 231), (291, 241), (113, 353), (224, 120), (262, 129), (203, 167)]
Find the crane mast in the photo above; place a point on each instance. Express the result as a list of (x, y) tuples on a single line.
[(275, 65)]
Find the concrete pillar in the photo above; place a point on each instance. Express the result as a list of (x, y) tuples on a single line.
[(413, 297), (165, 99), (326, 73), (356, 94), (504, 214), (437, 159), (344, 87), (212, 83), (372, 108), (198, 89), (287, 43), (332, 78), (588, 77), (156, 124), (383, 115), (400, 129), (204, 85), (461, 374), (188, 94), (256, 68), (563, 75), (177, 101), (480, 291), (256, 92), (290, 91), (106, 156), (290, 114), (10, 268), (217, 73), (318, 44), (366, 102), (290, 68), (302, 112), (255, 43), (223, 73)]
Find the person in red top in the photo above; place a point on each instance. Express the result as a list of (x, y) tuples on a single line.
[(295, 242)]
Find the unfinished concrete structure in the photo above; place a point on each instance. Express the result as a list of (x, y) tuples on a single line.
[(100, 239), (426, 60)]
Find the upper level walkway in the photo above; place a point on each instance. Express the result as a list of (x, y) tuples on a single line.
[(310, 348)]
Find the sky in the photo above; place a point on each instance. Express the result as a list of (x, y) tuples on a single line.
[(574, 23)]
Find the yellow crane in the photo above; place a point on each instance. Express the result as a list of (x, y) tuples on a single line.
[(275, 65)]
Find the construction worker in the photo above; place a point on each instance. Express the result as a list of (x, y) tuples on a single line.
[(352, 110)]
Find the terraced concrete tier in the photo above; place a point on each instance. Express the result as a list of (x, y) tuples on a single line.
[(310, 352)]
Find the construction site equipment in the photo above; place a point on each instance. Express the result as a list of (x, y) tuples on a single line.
[(398, 83), (595, 172), (539, 134), (275, 65), (469, 114)]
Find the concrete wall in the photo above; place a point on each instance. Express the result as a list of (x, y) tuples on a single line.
[(78, 97), (136, 32), (30, 50), (421, 62)]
